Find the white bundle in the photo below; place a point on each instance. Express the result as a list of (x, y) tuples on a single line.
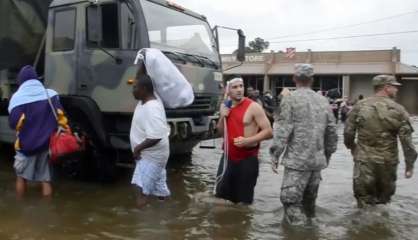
[(169, 83)]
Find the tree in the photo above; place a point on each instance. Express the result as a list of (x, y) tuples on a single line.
[(258, 45)]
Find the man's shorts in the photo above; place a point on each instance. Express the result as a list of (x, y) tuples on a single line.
[(33, 168), (239, 180), (151, 178)]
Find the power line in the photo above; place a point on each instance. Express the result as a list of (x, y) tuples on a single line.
[(345, 37), (345, 26)]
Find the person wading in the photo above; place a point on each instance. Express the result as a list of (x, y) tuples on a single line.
[(149, 142), (378, 122), (32, 118), (306, 128), (246, 126)]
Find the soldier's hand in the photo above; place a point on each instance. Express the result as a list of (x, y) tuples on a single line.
[(409, 173), (353, 149), (274, 166), (327, 157)]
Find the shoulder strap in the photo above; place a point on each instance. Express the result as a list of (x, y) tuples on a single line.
[(51, 105)]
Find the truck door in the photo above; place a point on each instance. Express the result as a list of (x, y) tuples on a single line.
[(61, 49), (107, 55)]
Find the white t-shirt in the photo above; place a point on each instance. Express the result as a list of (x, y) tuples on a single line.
[(149, 121)]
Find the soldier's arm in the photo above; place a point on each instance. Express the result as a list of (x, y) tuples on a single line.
[(405, 137), (331, 137), (283, 129), (351, 128)]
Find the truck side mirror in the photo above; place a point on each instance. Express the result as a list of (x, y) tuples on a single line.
[(241, 46), (94, 26)]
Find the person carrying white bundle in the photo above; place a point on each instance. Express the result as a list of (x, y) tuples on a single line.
[(149, 142), (169, 83)]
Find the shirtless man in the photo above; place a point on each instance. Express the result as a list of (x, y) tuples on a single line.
[(246, 126)]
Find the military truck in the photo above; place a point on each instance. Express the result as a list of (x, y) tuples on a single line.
[(85, 49)]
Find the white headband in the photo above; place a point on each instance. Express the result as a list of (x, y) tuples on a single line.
[(228, 84)]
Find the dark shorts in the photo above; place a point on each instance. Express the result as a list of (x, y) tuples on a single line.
[(238, 182)]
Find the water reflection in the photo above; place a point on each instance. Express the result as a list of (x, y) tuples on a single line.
[(94, 211)]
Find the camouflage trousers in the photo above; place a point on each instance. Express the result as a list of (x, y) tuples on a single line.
[(298, 195), (373, 183)]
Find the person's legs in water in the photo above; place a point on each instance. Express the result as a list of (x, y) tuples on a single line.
[(311, 193), (386, 182), (364, 184), (224, 188), (46, 189), (141, 199), (150, 180), (20, 187), (245, 180), (291, 196)]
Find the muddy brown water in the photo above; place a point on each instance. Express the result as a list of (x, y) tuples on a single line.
[(95, 211)]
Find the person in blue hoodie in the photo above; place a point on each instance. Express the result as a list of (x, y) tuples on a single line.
[(30, 114)]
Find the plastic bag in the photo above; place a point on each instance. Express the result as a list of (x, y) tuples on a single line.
[(169, 83)]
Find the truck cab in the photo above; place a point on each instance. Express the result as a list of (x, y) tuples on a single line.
[(89, 49)]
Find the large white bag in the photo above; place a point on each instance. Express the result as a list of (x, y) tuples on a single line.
[(169, 83)]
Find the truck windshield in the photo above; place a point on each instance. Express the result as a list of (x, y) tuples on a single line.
[(173, 30)]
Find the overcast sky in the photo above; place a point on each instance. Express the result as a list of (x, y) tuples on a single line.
[(270, 19)]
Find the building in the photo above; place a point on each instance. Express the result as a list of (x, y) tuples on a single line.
[(348, 71)]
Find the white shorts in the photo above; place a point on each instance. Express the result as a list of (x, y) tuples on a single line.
[(151, 178)]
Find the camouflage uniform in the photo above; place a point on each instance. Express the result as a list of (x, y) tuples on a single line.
[(307, 127), (378, 122)]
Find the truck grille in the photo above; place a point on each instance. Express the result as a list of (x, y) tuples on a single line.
[(202, 105)]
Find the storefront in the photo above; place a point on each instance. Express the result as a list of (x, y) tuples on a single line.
[(348, 72)]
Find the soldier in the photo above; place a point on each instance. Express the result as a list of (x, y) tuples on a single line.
[(307, 127), (378, 121)]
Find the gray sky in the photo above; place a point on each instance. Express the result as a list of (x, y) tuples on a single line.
[(270, 19)]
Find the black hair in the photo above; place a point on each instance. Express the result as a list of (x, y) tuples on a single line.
[(144, 79)]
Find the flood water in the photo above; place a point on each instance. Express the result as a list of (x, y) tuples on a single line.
[(94, 211)]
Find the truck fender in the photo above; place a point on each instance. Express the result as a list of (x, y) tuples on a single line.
[(90, 110)]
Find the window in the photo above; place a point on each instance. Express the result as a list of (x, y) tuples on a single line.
[(330, 82), (174, 30), (154, 36), (103, 24), (128, 27), (110, 26), (288, 82), (64, 30)]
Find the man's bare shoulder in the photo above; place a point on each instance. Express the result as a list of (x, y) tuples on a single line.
[(255, 109)]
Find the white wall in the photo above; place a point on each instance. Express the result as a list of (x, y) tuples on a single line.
[(360, 84), (408, 96)]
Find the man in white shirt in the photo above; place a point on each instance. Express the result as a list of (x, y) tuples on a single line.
[(149, 142)]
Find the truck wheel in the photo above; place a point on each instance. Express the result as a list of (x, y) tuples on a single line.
[(96, 162)]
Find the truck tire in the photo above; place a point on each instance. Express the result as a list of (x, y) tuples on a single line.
[(96, 162)]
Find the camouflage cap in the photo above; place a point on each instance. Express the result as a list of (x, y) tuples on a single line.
[(385, 80), (304, 70)]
